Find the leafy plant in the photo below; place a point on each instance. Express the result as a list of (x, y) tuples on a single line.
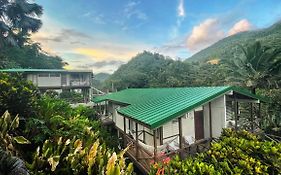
[(234, 153), (17, 95), (7, 139), (65, 156), (71, 97)]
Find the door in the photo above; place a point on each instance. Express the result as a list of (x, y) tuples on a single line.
[(199, 125)]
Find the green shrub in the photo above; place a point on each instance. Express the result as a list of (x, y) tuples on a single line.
[(71, 97), (234, 153), (17, 95)]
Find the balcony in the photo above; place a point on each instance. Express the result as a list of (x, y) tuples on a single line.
[(77, 83)]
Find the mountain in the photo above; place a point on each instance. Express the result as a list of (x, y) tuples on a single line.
[(101, 77), (153, 70), (227, 48)]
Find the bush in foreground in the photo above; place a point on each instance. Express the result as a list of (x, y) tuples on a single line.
[(234, 153)]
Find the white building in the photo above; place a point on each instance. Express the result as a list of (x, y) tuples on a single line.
[(169, 120), (58, 79)]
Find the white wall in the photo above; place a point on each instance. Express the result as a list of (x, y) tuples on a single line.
[(172, 128), (218, 116), (188, 128), (49, 81)]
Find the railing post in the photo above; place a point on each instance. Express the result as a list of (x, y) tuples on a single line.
[(180, 131), (236, 113), (210, 120), (155, 145), (125, 132), (252, 117), (259, 115), (137, 143)]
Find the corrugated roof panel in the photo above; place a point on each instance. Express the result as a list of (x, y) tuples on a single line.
[(44, 70), (155, 106)]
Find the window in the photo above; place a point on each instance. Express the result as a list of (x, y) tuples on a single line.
[(43, 75), (54, 75)]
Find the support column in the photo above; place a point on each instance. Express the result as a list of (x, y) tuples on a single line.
[(161, 135), (125, 131), (180, 132), (137, 143), (259, 115), (236, 113), (143, 132), (155, 145), (210, 120), (252, 117)]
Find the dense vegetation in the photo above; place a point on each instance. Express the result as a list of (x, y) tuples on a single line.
[(53, 138), (234, 153), (28, 56)]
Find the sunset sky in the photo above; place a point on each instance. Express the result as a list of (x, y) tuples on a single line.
[(103, 34)]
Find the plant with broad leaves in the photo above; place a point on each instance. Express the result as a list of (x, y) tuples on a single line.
[(65, 156), (7, 128)]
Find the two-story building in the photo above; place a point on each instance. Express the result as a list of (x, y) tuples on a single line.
[(58, 79)]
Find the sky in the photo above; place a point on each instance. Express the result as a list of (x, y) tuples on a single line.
[(101, 35)]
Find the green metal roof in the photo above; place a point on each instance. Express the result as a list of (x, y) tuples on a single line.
[(156, 106), (43, 70)]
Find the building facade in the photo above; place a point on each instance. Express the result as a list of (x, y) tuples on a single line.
[(58, 79)]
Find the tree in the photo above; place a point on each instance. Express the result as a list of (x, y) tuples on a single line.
[(258, 68), (18, 18)]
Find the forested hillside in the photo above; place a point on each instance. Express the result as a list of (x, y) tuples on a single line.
[(28, 56), (154, 70), (227, 48)]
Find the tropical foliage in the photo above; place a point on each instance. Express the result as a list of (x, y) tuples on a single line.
[(17, 95), (234, 153), (10, 164), (18, 19), (72, 97), (259, 67), (54, 137)]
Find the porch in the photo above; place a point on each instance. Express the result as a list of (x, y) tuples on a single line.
[(144, 159)]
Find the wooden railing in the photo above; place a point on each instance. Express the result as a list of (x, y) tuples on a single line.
[(143, 158)]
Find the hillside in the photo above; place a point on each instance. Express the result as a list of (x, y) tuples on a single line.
[(28, 56), (101, 77), (155, 70), (228, 47)]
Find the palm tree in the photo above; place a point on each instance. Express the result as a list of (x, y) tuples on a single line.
[(259, 67), (18, 18)]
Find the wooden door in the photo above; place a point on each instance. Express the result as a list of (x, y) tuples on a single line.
[(199, 125)]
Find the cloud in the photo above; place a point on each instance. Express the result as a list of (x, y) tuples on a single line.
[(101, 64), (131, 11), (172, 48), (97, 18), (180, 18), (204, 34), (240, 26), (105, 55), (62, 36), (181, 11)]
